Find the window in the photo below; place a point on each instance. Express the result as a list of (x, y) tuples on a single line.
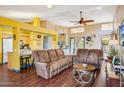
[(81, 43)]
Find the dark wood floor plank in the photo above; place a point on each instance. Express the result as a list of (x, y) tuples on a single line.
[(28, 78)]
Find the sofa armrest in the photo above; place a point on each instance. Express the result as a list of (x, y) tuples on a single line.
[(69, 58), (69, 55), (76, 59), (42, 69), (101, 59)]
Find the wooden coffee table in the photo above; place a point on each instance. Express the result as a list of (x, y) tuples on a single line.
[(84, 74)]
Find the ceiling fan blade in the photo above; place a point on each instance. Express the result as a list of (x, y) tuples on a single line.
[(84, 23), (89, 21)]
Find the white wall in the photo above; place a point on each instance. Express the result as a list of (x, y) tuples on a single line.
[(90, 30)]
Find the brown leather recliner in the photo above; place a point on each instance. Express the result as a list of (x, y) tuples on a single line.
[(81, 56), (92, 56)]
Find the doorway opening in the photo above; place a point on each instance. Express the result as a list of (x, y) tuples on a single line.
[(7, 46), (105, 44)]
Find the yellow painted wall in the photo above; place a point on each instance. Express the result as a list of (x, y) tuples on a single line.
[(55, 42), (28, 33), (37, 22), (16, 50), (0, 48), (36, 43), (3, 31), (25, 38)]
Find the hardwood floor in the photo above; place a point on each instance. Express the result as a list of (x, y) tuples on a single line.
[(28, 78)]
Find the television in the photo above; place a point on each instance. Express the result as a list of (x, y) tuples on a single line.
[(121, 34)]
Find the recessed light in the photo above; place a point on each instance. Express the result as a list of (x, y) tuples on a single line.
[(49, 6)]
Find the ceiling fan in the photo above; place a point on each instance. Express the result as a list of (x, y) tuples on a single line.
[(82, 21)]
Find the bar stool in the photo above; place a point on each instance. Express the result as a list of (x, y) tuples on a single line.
[(27, 61), (21, 62)]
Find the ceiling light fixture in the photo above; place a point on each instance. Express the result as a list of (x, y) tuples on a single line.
[(49, 6)]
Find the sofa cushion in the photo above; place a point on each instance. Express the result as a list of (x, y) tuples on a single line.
[(97, 51), (93, 58), (69, 58), (52, 54), (81, 59), (54, 66), (43, 56), (35, 55), (82, 52), (62, 62), (60, 53)]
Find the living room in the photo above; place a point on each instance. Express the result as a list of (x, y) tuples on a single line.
[(67, 48)]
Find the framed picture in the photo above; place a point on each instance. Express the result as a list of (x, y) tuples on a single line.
[(121, 34)]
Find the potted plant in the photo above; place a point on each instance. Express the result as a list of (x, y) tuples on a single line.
[(113, 52)]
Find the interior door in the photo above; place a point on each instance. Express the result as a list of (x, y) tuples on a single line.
[(7, 47)]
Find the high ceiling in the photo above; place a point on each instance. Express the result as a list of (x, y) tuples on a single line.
[(60, 14)]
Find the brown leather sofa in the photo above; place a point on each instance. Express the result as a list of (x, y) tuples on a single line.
[(89, 56), (48, 63)]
